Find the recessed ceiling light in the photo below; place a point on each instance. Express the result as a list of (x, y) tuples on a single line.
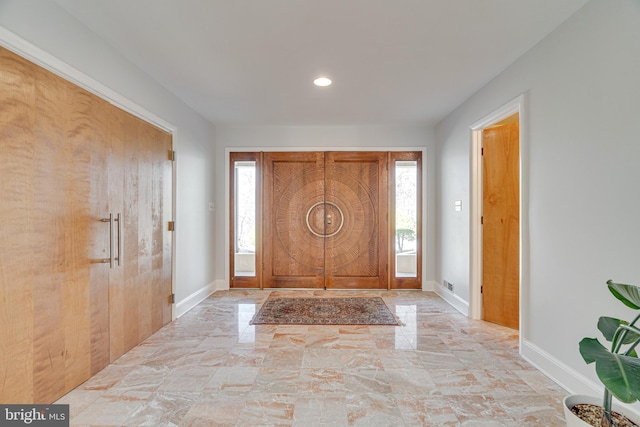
[(322, 81)]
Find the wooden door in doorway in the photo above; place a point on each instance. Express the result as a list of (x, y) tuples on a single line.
[(293, 191), (325, 221), (501, 223), (356, 242)]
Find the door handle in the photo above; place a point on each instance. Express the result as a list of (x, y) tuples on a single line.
[(119, 221), (112, 244), (111, 259)]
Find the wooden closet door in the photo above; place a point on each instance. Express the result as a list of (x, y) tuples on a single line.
[(53, 187), (69, 159), (356, 243), (17, 234), (293, 239), (140, 189)]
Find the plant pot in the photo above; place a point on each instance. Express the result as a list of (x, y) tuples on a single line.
[(573, 399)]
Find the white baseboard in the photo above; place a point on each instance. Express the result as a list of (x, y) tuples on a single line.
[(454, 300), (194, 299), (565, 376), (429, 286), (221, 285)]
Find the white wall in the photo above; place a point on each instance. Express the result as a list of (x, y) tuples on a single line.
[(286, 138), (52, 30), (582, 90)]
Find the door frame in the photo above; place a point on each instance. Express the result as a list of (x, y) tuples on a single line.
[(516, 105), (426, 286)]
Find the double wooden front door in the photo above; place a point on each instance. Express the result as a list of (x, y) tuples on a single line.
[(325, 220)]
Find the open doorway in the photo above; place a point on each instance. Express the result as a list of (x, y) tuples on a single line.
[(496, 268)]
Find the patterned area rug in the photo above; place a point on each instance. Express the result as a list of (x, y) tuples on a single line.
[(324, 311)]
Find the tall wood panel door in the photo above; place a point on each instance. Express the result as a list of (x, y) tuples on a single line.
[(501, 224), (325, 222), (59, 147), (52, 337), (293, 199), (355, 220), (140, 190)]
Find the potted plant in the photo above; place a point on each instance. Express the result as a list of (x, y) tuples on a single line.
[(617, 367)]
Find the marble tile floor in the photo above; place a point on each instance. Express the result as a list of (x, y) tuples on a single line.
[(211, 368)]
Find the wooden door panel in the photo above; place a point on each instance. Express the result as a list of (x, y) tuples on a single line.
[(51, 134), (323, 221), (49, 374), (293, 251), (119, 129), (501, 225), (356, 255), (142, 192), (65, 155), (85, 238), (17, 145)]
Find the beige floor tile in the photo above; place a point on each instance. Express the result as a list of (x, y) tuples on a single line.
[(212, 368)]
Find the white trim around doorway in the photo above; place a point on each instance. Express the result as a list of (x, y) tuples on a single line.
[(516, 105)]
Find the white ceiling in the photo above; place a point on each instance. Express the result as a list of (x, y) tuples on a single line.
[(253, 61)]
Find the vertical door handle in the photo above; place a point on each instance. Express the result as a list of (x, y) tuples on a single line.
[(111, 259), (119, 220)]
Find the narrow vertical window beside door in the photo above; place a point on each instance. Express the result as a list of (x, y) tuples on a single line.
[(405, 229), (245, 218), (406, 208)]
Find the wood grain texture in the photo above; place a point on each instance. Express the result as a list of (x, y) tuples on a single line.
[(17, 234), (80, 136), (293, 256), (501, 225), (357, 256), (70, 158), (303, 247), (118, 138), (140, 186)]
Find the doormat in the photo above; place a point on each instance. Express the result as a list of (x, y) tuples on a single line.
[(324, 311)]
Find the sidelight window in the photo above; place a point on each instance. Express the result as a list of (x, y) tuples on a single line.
[(406, 209), (245, 218)]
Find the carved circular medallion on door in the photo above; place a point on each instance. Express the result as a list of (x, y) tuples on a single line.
[(335, 214), (325, 219)]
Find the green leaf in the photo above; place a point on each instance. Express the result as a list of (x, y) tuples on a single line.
[(628, 294), (619, 374), (609, 325), (591, 350)]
